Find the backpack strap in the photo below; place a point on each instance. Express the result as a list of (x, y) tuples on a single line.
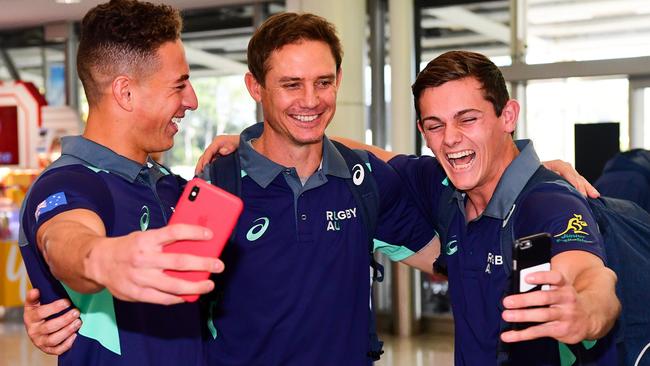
[(366, 195), (446, 214), (541, 175), (225, 173)]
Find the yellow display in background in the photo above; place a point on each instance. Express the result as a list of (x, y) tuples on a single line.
[(13, 276)]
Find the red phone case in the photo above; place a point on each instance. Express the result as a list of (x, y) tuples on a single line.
[(205, 205)]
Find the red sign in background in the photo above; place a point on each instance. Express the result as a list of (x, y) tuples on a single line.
[(9, 135)]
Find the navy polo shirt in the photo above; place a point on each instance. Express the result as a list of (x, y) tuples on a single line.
[(128, 197), (296, 288), (474, 262)]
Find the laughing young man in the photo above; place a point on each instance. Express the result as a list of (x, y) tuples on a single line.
[(467, 119)]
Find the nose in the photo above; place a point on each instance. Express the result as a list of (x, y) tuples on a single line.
[(310, 97), (189, 97), (452, 135)]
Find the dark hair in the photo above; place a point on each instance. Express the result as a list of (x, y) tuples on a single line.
[(287, 28), (456, 65), (122, 37)]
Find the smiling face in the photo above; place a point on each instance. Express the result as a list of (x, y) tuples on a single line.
[(299, 92), (473, 144), (162, 99)]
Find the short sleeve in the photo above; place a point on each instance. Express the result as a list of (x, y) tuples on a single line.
[(424, 180), (401, 229), (64, 189), (552, 208)]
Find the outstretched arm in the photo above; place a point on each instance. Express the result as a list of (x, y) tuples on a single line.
[(75, 246), (581, 304)]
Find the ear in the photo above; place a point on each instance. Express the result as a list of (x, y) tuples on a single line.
[(510, 114), (254, 87), (419, 124), (122, 92), (339, 77)]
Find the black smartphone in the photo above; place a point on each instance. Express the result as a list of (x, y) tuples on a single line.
[(530, 254)]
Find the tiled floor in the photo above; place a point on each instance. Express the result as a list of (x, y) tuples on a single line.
[(421, 350)]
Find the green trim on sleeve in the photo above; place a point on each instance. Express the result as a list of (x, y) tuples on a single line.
[(98, 318), (394, 252)]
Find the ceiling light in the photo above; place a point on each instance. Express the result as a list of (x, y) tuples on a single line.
[(68, 1)]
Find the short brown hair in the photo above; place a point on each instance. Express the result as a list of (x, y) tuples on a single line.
[(456, 65), (122, 37), (286, 28)]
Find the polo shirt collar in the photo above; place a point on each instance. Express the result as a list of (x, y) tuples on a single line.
[(263, 171), (513, 180), (101, 157), (511, 184)]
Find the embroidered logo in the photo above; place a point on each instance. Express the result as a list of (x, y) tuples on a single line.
[(50, 203), (493, 259), (574, 231), (144, 218), (334, 218), (452, 247), (358, 174), (256, 231)]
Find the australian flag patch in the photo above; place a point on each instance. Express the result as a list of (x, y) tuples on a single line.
[(50, 203)]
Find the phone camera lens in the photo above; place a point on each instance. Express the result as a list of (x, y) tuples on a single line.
[(193, 193)]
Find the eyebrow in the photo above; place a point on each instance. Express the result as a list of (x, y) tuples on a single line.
[(182, 78), (456, 115), (296, 78)]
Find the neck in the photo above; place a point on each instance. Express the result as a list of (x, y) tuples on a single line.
[(105, 130), (305, 158), (479, 197)]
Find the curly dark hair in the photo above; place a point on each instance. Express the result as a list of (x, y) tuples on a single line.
[(456, 65), (287, 28), (122, 37)]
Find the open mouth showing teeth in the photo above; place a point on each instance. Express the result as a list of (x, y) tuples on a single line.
[(305, 118), (461, 159)]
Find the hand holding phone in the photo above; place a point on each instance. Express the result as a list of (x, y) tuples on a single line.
[(530, 254), (209, 206)]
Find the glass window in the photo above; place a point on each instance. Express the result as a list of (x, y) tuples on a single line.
[(555, 106), (477, 26), (224, 108), (576, 30)]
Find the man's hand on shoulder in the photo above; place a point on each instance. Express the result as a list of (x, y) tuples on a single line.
[(221, 145), (566, 171)]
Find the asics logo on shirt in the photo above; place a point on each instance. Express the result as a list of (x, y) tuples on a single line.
[(451, 248), (357, 174), (256, 231), (144, 218)]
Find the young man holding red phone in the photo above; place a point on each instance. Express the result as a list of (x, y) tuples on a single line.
[(94, 222)]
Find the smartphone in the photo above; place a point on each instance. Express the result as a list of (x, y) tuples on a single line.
[(530, 254), (209, 206)]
